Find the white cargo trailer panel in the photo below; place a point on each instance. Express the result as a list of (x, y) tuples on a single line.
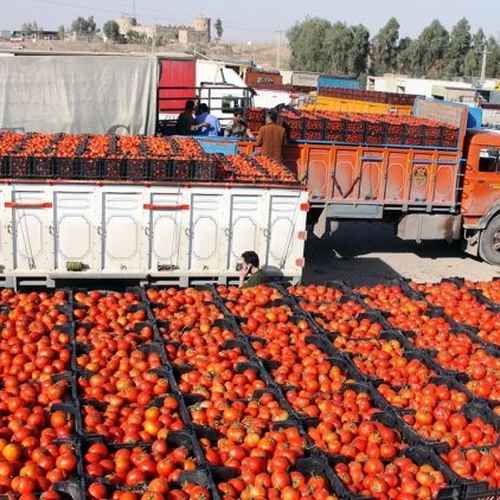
[(146, 233)]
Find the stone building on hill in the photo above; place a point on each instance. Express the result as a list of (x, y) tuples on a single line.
[(198, 33)]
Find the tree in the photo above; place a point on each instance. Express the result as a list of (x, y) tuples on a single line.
[(30, 28), (459, 46), (307, 40), (408, 57), (431, 51), (385, 47), (493, 61), (360, 50), (339, 43), (111, 30), (136, 38), (473, 59), (219, 29), (83, 26), (61, 32)]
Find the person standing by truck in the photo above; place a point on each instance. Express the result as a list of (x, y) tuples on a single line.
[(272, 137)]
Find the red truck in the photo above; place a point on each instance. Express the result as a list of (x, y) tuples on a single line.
[(429, 193)]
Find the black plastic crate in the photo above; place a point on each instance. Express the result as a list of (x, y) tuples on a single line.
[(88, 168), (20, 166), (137, 169), (114, 169)]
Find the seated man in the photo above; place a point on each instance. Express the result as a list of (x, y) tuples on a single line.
[(208, 124), (250, 274), (185, 122)]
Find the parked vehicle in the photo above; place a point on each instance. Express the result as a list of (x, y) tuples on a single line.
[(334, 81), (142, 208), (211, 82), (429, 193), (160, 83)]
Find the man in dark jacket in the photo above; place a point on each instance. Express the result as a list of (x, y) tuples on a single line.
[(186, 122)]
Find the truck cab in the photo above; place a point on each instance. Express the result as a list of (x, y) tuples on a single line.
[(480, 206)]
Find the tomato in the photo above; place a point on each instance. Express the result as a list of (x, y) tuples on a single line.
[(98, 490)]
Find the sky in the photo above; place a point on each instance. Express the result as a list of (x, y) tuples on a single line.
[(257, 20)]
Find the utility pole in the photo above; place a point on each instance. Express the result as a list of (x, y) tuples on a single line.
[(278, 53), (485, 60)]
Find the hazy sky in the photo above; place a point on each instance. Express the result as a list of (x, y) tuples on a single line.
[(257, 20)]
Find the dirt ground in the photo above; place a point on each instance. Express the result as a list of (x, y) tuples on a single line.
[(369, 253)]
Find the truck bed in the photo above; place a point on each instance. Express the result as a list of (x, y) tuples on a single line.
[(363, 181), (406, 179)]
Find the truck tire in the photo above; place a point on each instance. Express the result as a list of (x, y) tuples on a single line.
[(489, 244)]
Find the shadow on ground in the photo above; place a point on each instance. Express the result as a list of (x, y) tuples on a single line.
[(368, 253)]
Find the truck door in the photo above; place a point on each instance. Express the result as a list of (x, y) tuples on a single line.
[(122, 237), (166, 212), (243, 232), (73, 232), (482, 180), (177, 85), (205, 232), (281, 234), (30, 221)]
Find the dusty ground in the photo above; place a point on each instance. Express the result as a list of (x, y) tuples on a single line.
[(368, 253)]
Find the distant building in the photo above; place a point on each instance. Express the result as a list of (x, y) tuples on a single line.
[(198, 33), (5, 34), (403, 84), (38, 35)]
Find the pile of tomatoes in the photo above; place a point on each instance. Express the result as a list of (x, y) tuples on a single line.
[(169, 158), (36, 452), (173, 393)]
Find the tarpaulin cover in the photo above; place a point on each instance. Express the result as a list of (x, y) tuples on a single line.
[(79, 94)]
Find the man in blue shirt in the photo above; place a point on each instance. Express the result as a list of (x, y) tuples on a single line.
[(208, 123)]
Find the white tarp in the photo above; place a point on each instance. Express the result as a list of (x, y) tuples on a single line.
[(79, 94)]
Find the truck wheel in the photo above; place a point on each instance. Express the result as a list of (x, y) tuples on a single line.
[(489, 244)]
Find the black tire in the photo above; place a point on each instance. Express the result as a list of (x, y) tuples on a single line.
[(489, 243)]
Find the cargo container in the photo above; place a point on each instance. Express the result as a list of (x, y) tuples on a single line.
[(333, 81), (322, 103), (491, 115), (371, 96), (257, 78), (429, 193), (157, 233), (301, 79), (160, 85)]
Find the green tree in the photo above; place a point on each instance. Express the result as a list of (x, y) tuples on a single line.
[(459, 46), (30, 28), (219, 29), (307, 40), (112, 31), (431, 50), (473, 59), (385, 47), (339, 39), (359, 51), (493, 60), (83, 26), (408, 61), (61, 32), (136, 38)]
